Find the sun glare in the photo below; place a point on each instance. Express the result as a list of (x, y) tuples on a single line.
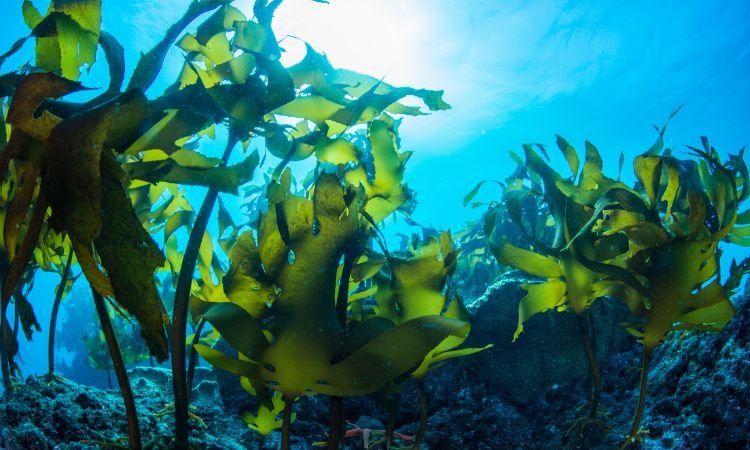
[(368, 36)]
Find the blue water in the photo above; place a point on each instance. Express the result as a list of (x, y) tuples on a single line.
[(514, 72)]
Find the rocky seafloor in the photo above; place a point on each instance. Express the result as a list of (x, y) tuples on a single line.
[(522, 395)]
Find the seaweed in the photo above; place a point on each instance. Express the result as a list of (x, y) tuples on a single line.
[(655, 247), (418, 287), (103, 176), (309, 351), (550, 211), (104, 166)]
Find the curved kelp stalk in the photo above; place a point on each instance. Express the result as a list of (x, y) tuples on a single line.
[(53, 316), (587, 335), (193, 359), (423, 415), (286, 428), (134, 432), (275, 91), (180, 312)]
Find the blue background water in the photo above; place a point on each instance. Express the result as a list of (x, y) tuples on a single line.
[(514, 72)]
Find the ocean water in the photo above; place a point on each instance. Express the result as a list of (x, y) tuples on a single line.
[(513, 72)]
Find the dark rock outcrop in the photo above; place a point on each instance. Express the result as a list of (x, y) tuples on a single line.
[(548, 352)]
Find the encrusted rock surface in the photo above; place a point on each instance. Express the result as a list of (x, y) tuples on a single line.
[(60, 414), (547, 353)]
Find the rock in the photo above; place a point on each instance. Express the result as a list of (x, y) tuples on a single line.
[(24, 437), (39, 414), (700, 387), (548, 352)]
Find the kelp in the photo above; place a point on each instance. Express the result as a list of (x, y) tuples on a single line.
[(91, 184), (265, 420), (305, 349), (67, 36), (305, 322), (80, 160), (418, 287), (260, 316), (655, 246)]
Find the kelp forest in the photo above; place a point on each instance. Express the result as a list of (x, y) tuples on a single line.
[(302, 292)]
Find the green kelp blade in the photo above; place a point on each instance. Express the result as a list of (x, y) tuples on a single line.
[(592, 181), (337, 151), (676, 269), (673, 184), (526, 260), (591, 174), (648, 171), (710, 309), (236, 366), (239, 329), (360, 333), (150, 63), (616, 197), (179, 219), (114, 54), (225, 179), (291, 143), (736, 273), (73, 179), (176, 124), (737, 165), (190, 159), (418, 284), (341, 85), (19, 206), (447, 349), (220, 21), (539, 298), (13, 49), (315, 108), (436, 359), (366, 268), (266, 420), (658, 146), (570, 154), (67, 37), (362, 294), (470, 196), (738, 240), (390, 355)]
